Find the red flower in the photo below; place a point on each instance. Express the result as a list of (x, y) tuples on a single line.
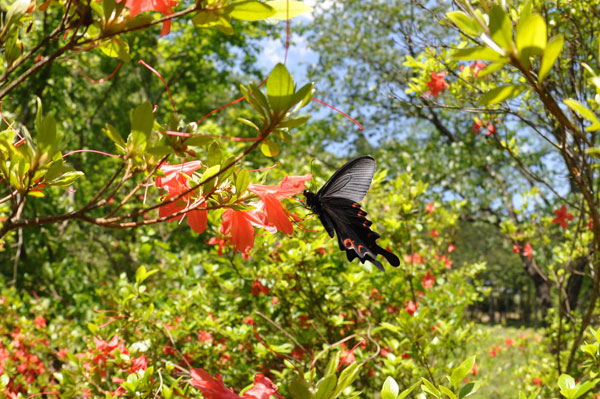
[(165, 7), (213, 388), (536, 381), (477, 126), (176, 182), (271, 197), (204, 336), (562, 217), (257, 288), (39, 321), (240, 225), (429, 208), (414, 258), (62, 353), (528, 251), (263, 388), (176, 179), (140, 363), (447, 262), (451, 248), (347, 357), (220, 242), (428, 280), (437, 84), (490, 130), (411, 308), (476, 67)]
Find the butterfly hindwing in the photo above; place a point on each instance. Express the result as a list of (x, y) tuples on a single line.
[(353, 231)]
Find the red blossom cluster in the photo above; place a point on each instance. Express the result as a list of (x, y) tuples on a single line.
[(478, 124), (527, 250), (96, 359), (214, 388), (437, 84), (474, 68), (562, 217), (19, 354), (238, 225)]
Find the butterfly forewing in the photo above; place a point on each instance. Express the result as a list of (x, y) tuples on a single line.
[(351, 181)]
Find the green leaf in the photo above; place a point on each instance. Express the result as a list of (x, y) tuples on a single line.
[(501, 28), (250, 10), (447, 392), (585, 112), (390, 389), (142, 120), (332, 365), (116, 48), (491, 68), (242, 181), (585, 387), (408, 390), (66, 179), (4, 380), (209, 19), (429, 388), (460, 372), (214, 154), (347, 377), (326, 386), (16, 11), (464, 22), (532, 34), (198, 141), (93, 328), (478, 53), (469, 389), (227, 167), (566, 383), (285, 9), (249, 123), (500, 93), (299, 388), (37, 194), (302, 96), (208, 177), (269, 148), (293, 122), (113, 134), (553, 49), (47, 140), (280, 88)]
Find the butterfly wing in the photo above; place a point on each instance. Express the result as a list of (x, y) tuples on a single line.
[(351, 181), (354, 234)]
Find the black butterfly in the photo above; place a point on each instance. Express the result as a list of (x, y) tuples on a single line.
[(337, 205)]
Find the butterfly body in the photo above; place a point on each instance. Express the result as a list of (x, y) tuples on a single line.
[(338, 208)]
